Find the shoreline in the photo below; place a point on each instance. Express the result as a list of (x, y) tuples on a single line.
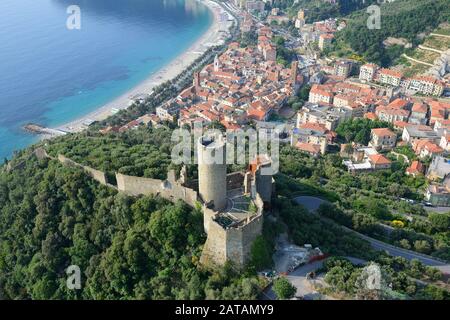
[(167, 72)]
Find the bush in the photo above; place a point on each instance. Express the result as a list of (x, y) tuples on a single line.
[(440, 222), (284, 289), (261, 256)]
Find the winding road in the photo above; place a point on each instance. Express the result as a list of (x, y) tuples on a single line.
[(312, 203)]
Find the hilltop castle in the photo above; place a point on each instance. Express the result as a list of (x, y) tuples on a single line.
[(233, 204)]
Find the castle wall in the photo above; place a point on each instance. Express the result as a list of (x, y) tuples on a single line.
[(95, 174), (136, 186), (240, 241), (41, 153), (208, 215), (215, 248), (247, 234), (170, 190), (222, 244), (232, 244)]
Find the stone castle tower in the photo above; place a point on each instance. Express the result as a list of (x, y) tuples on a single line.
[(229, 220), (212, 171)]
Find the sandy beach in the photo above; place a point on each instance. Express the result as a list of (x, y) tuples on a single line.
[(213, 36)]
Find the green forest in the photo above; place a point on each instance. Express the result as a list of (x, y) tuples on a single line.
[(317, 10), (144, 152), (399, 19), (53, 217)]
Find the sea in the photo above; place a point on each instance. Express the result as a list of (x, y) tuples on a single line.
[(62, 59)]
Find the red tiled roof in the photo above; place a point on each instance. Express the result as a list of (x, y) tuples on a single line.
[(415, 167), (316, 89), (398, 104), (379, 159), (314, 126), (308, 147), (257, 113), (383, 132), (400, 124), (397, 112), (431, 147), (230, 125), (370, 116), (419, 107), (370, 65), (391, 73), (327, 36)]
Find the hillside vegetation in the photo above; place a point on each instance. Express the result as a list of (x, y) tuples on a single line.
[(320, 10), (399, 19), (52, 217)]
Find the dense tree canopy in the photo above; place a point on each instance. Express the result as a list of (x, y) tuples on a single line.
[(52, 217), (358, 130), (284, 289), (399, 19)]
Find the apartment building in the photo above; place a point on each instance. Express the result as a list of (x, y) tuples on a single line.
[(368, 72), (383, 138)]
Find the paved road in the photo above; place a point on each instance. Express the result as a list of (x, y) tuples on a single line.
[(407, 254), (312, 203), (437, 209)]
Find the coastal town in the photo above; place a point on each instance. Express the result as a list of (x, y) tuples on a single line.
[(247, 85), (358, 208)]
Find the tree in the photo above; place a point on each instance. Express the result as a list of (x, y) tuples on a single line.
[(440, 222), (422, 246), (358, 130), (261, 254), (404, 243), (304, 93), (373, 207), (284, 289)]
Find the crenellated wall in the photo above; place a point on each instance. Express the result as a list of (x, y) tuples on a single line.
[(215, 248), (231, 243), (240, 240)]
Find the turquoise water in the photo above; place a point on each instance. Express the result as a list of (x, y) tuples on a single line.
[(51, 75)]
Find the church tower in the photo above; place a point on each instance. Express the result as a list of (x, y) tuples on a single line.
[(294, 72), (196, 83)]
